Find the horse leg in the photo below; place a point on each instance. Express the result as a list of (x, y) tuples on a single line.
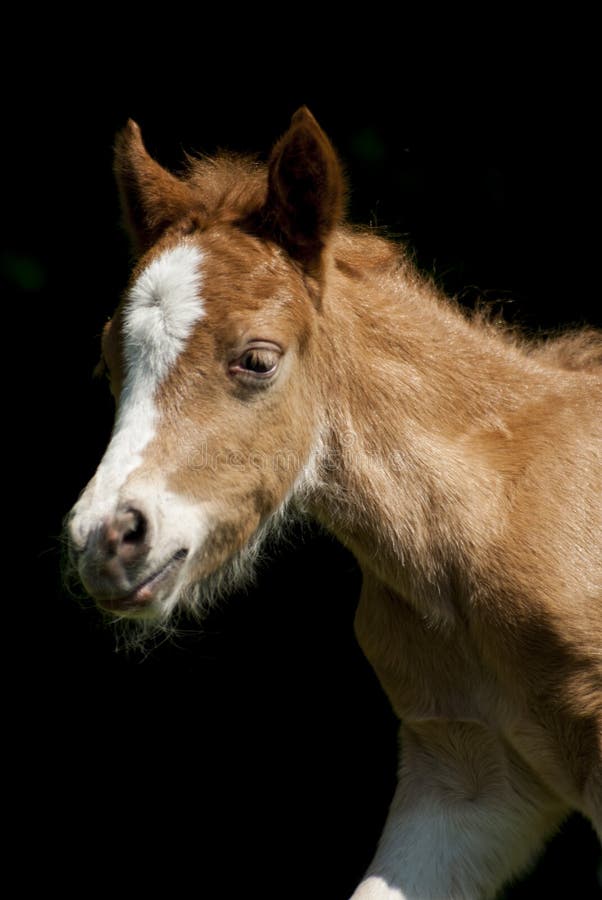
[(467, 816)]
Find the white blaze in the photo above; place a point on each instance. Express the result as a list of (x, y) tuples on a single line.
[(159, 316)]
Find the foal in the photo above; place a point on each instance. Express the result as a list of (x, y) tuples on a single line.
[(265, 356)]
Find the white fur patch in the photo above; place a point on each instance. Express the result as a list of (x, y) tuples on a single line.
[(160, 313), (163, 306), (467, 817)]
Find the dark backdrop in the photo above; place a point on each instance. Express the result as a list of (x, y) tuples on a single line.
[(257, 754)]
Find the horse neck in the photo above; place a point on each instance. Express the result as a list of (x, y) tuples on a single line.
[(411, 390)]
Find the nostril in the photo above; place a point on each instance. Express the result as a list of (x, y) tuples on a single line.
[(113, 544), (136, 528)]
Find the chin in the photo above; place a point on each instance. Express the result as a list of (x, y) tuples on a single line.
[(190, 585)]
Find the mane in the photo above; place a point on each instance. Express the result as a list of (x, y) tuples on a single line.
[(234, 186), (359, 253), (573, 350), (231, 185)]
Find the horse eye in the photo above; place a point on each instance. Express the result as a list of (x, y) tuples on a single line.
[(260, 362)]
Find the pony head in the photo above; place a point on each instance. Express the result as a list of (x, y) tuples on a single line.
[(213, 357)]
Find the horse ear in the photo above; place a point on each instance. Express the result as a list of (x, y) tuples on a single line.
[(151, 197), (305, 190)]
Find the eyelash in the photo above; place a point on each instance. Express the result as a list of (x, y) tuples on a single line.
[(256, 363), (260, 362)]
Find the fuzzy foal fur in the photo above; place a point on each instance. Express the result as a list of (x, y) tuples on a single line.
[(459, 463)]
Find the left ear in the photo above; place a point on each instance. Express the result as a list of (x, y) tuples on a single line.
[(305, 191), (151, 197)]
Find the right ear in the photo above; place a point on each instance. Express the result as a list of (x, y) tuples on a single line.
[(304, 202), (151, 197)]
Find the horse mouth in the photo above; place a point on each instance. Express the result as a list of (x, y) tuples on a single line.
[(142, 596)]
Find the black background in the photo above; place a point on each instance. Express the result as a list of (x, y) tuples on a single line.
[(257, 754)]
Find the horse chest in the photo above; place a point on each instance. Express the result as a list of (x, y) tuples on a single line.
[(428, 670)]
